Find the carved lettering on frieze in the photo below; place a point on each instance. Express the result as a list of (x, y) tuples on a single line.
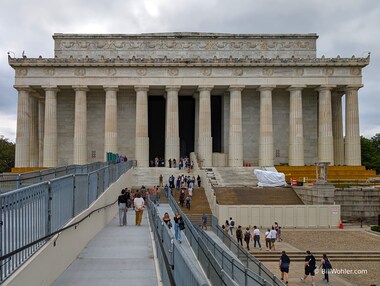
[(49, 71), (267, 71), (21, 72), (141, 71), (237, 72), (355, 71), (328, 71), (173, 71), (80, 71), (207, 71), (300, 71)]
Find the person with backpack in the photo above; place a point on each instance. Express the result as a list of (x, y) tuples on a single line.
[(284, 266), (326, 267), (231, 225), (247, 237), (256, 237), (239, 235)]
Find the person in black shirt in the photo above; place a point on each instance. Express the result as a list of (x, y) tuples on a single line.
[(310, 265), (284, 266), (122, 202)]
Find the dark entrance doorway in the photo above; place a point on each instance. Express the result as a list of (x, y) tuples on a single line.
[(186, 124), (156, 126), (216, 123)]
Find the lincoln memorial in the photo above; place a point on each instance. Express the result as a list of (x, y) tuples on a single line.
[(233, 99)]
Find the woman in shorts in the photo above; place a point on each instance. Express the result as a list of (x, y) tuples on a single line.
[(284, 266)]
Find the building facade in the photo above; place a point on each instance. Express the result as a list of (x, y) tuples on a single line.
[(232, 98)]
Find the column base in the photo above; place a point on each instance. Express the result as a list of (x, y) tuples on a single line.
[(142, 151)]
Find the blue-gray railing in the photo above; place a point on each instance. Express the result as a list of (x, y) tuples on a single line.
[(175, 266), (234, 269), (10, 182), (30, 215)]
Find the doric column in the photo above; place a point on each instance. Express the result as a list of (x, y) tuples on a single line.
[(296, 150), (41, 124), (22, 156), (325, 137), (80, 125), (204, 126), (235, 142), (196, 122), (337, 127), (50, 136), (33, 139), (266, 127), (142, 136), (110, 121), (352, 138), (172, 124)]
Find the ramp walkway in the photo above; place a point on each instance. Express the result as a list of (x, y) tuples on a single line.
[(116, 256)]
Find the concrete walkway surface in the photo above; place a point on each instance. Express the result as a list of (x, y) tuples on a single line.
[(118, 255)]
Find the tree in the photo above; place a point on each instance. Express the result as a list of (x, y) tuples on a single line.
[(370, 149), (7, 155)]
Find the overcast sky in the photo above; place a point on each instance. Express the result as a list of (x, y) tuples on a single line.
[(345, 28)]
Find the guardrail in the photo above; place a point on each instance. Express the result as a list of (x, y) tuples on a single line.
[(31, 215), (10, 182)]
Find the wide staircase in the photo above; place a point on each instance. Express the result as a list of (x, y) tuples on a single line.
[(257, 196), (334, 173)]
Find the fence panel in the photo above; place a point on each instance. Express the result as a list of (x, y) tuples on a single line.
[(81, 193)]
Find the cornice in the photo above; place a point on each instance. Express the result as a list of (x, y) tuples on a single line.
[(188, 62)]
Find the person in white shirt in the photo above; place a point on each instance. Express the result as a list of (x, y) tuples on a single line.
[(267, 239), (273, 237), (256, 237), (138, 203)]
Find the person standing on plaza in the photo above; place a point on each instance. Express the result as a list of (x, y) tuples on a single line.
[(177, 222), (273, 237), (231, 225), (256, 237), (267, 240), (310, 265), (239, 235), (326, 267), (122, 202), (284, 266), (247, 237), (138, 203), (199, 180)]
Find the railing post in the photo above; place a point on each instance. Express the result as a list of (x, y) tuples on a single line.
[(19, 183), (50, 198), (74, 193)]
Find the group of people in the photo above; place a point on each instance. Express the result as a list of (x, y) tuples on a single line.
[(128, 199), (184, 163), (179, 224)]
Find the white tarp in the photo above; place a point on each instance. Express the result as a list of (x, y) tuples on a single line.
[(269, 178)]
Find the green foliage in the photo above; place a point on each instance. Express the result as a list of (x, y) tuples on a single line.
[(370, 149), (375, 228), (7, 155)]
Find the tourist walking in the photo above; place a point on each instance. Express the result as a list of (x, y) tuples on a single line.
[(138, 203), (239, 235), (284, 266), (178, 224), (204, 221), (247, 237), (267, 239), (326, 267), (273, 237), (122, 202), (199, 180), (256, 237), (231, 225), (310, 264), (167, 221), (161, 180)]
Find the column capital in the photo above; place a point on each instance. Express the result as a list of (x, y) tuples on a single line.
[(141, 88), (205, 87), (50, 88), (80, 87), (23, 87), (296, 87), (110, 87), (236, 88), (266, 87), (325, 87), (172, 88), (352, 87)]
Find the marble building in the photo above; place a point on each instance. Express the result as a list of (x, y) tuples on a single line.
[(232, 98)]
